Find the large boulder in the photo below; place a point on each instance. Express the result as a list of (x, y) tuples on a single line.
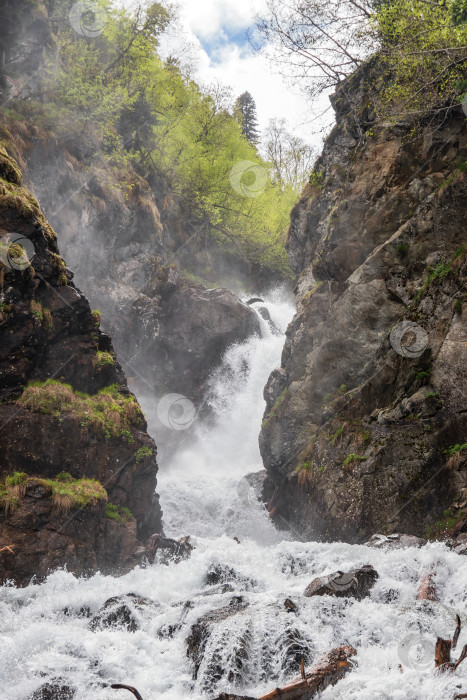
[(355, 583)]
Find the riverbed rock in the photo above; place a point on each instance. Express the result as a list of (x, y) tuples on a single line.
[(356, 583), (49, 334), (370, 395), (395, 541), (201, 631), (122, 611), (54, 691)]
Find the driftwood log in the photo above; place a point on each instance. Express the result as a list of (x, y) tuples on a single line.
[(445, 646), (329, 669), (119, 686)]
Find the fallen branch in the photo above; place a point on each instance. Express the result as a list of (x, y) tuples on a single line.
[(329, 669), (119, 686), (443, 651), (8, 547)]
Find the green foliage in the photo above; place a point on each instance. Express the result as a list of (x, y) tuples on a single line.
[(121, 514), (424, 56), (334, 437), (142, 453), (104, 359), (402, 248), (423, 374), (455, 449), (316, 178), (107, 413), (74, 493), (135, 110), (16, 479), (354, 458)]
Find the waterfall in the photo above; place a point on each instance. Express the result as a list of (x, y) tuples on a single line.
[(46, 630)]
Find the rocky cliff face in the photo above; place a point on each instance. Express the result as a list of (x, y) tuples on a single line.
[(365, 426), (169, 331), (78, 469)]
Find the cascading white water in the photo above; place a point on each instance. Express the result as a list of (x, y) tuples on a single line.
[(44, 637)]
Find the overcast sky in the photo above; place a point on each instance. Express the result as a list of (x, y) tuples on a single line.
[(218, 28)]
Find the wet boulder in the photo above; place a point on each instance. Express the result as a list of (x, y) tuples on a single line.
[(122, 611), (220, 574), (355, 583), (167, 549), (202, 629), (395, 541), (55, 690)]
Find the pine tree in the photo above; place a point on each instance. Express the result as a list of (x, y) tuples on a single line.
[(245, 108)]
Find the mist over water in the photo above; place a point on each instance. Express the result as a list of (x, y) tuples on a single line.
[(204, 494)]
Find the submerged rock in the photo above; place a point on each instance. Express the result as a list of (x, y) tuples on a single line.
[(355, 583), (122, 611), (54, 691)]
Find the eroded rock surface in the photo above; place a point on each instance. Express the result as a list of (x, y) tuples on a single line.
[(368, 408), (48, 333)]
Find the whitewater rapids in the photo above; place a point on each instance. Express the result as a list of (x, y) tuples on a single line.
[(204, 494)]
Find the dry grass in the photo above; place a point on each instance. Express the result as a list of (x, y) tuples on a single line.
[(106, 413)]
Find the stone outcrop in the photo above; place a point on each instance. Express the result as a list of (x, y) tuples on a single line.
[(65, 411), (365, 424), (356, 583)]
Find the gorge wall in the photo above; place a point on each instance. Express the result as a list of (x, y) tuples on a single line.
[(124, 236), (78, 469), (365, 425)]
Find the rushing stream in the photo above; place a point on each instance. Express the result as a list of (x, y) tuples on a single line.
[(204, 494)]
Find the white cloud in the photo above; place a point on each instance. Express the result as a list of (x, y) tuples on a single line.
[(211, 22)]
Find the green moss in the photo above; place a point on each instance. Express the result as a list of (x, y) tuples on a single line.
[(8, 168), (316, 179), (402, 249), (142, 453), (423, 374), (104, 359), (276, 407), (354, 458), (121, 514), (106, 413), (96, 317)]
